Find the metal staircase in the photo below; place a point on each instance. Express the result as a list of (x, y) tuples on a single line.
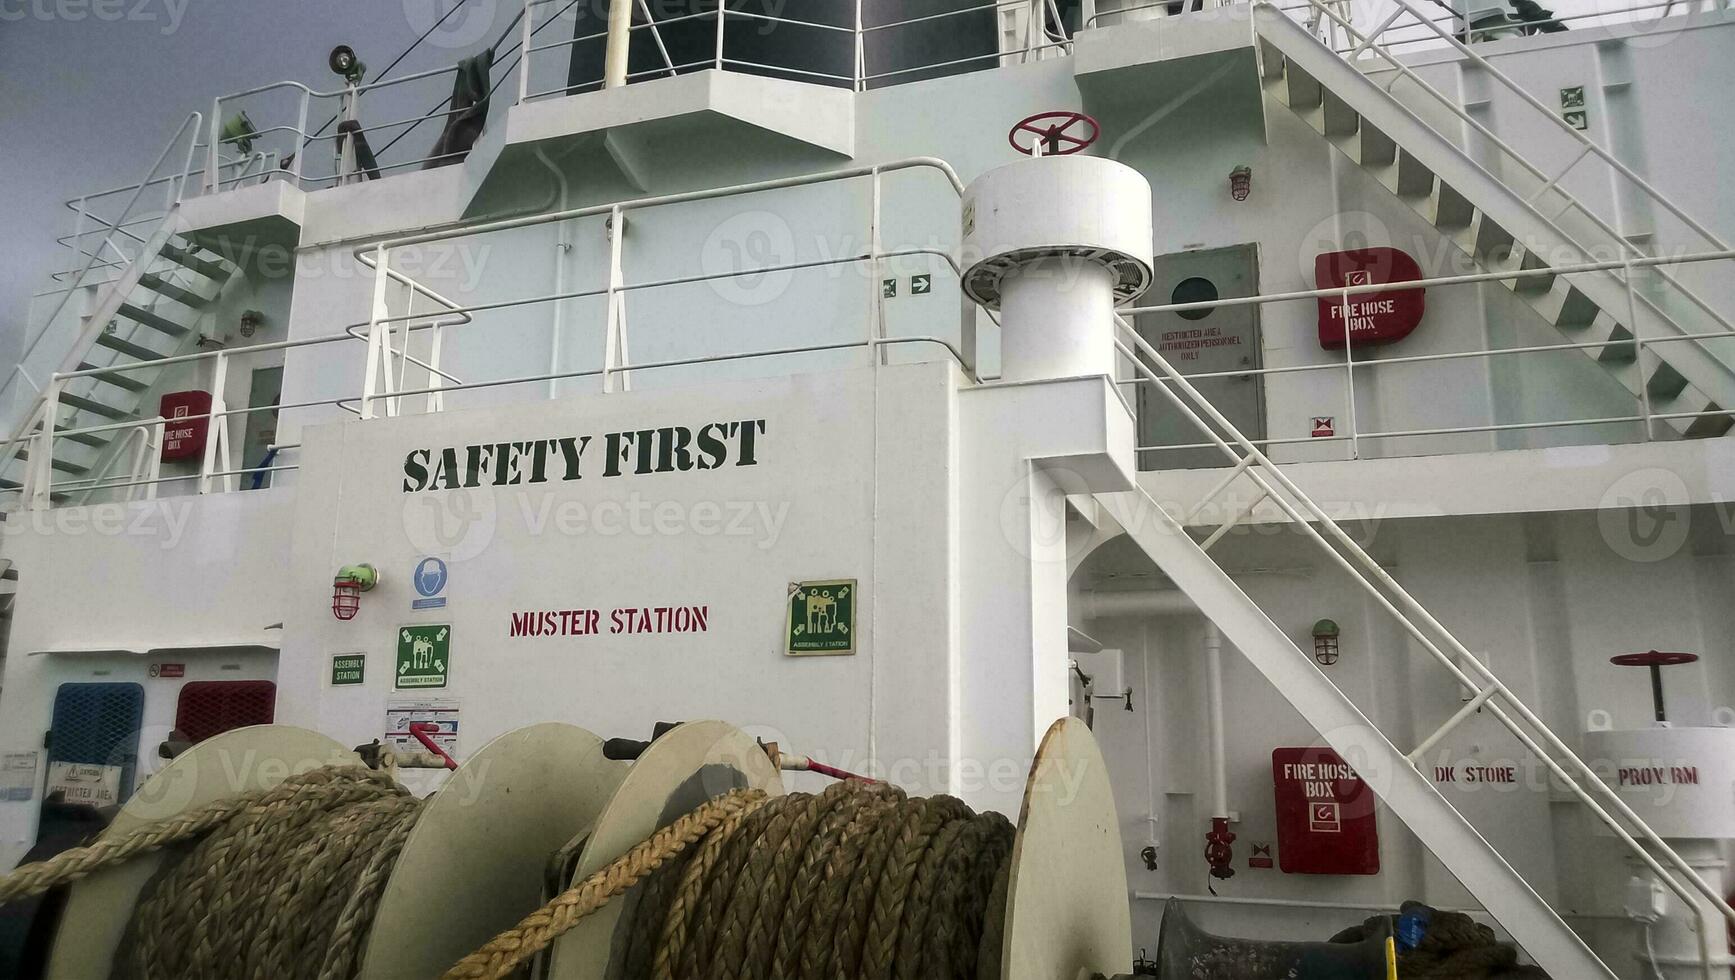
[(1391, 772), (1649, 332), (149, 311)]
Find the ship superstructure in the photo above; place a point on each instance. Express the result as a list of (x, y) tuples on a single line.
[(1330, 406)]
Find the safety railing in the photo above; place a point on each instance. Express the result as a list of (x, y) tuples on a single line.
[(1367, 359), (393, 362), (1638, 15), (1484, 690), (1036, 29), (48, 348), (385, 386), (1369, 48)]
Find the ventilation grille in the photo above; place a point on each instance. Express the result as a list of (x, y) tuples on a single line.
[(98, 724), (208, 708)]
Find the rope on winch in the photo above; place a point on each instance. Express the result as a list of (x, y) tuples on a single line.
[(856, 881), (282, 882)]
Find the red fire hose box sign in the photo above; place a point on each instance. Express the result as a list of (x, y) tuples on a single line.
[(189, 419), (1325, 814), (1379, 317)]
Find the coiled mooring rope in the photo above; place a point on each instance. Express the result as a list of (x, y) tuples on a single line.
[(858, 881), (281, 883), (855, 882)]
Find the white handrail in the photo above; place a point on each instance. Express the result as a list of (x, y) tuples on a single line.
[(1404, 71), (1365, 571), (191, 123)]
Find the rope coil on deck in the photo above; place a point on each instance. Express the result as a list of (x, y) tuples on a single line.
[(856, 881), (281, 883)]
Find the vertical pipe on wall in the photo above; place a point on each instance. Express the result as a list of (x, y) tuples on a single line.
[(1214, 706)]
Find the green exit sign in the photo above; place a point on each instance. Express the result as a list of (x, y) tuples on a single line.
[(347, 668)]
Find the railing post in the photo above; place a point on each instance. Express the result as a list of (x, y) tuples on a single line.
[(78, 230), (524, 35), (722, 16), (436, 397), (301, 135), (1638, 347), (217, 432), (39, 491), (1034, 17), (861, 50), (1349, 378), (376, 344), (619, 42), (614, 354), (213, 158), (154, 457)]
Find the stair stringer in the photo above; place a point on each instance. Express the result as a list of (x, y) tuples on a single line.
[(1440, 827), (1515, 224)]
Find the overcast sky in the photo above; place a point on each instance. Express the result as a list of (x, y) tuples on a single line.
[(90, 90)]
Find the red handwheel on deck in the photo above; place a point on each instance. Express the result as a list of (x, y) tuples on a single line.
[(1056, 133)]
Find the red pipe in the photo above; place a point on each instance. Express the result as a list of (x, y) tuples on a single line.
[(422, 730)]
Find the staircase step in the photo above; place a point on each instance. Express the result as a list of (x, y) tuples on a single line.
[(1340, 120), (127, 347), (95, 440), (1303, 91), (209, 265), (1415, 180), (63, 465), (117, 378), (1452, 211), (1270, 61), (92, 405), (1375, 149), (1665, 382), (173, 290), (1494, 246), (151, 318), (1532, 284), (1620, 348)]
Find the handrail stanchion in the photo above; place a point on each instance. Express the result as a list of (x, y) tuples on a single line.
[(301, 136), (213, 169), (154, 458), (376, 347), (722, 16), (619, 43), (1638, 345), (41, 468), (216, 460), (524, 35), (1349, 379), (861, 51), (614, 353)]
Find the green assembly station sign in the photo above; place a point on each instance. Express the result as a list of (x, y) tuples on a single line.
[(347, 668), (424, 656), (821, 618)]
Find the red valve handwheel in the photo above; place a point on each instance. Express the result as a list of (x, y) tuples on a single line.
[(1055, 133)]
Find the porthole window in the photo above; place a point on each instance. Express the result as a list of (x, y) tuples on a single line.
[(1194, 290)]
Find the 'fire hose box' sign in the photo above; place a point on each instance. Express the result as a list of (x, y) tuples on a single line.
[(188, 415), (1325, 814), (1379, 317)]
